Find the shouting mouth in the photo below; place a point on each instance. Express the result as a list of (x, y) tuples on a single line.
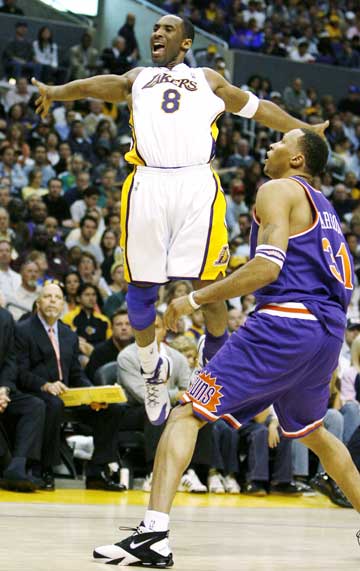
[(158, 49)]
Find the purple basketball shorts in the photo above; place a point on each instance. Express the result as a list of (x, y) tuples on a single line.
[(270, 360)]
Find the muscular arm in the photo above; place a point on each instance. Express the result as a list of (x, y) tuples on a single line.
[(267, 114), (274, 214), (273, 207), (112, 88)]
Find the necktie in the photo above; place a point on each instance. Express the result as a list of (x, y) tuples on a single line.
[(56, 349)]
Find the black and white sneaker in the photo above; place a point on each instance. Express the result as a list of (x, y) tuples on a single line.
[(143, 548)]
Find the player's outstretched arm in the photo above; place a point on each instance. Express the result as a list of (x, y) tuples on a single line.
[(273, 205), (112, 88), (267, 113)]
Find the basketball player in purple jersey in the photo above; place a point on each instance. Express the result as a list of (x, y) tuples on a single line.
[(302, 275)]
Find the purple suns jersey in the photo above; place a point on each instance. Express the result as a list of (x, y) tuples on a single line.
[(318, 269)]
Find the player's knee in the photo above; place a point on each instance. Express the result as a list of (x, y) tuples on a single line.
[(141, 305)]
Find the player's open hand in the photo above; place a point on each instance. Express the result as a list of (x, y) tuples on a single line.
[(178, 307), (43, 102), (320, 128)]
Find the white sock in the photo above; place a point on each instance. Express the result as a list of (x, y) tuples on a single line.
[(149, 357), (156, 521)]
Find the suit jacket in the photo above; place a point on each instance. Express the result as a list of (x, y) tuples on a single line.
[(8, 368), (36, 357)]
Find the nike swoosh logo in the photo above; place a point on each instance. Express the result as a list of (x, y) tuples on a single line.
[(134, 545)]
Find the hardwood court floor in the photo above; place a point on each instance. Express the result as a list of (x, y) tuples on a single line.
[(56, 531)]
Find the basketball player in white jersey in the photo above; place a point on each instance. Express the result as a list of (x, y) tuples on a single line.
[(172, 205)]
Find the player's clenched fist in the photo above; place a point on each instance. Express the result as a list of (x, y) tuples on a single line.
[(43, 102), (178, 307)]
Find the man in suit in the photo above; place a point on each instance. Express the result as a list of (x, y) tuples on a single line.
[(22, 417), (48, 362)]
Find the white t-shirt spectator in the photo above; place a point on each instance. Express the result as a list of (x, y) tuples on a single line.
[(48, 55)]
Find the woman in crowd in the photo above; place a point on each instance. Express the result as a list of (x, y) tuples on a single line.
[(34, 187), (72, 282)]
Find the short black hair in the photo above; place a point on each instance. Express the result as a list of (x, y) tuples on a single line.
[(84, 286), (315, 151), (91, 191), (120, 311), (88, 217), (189, 31)]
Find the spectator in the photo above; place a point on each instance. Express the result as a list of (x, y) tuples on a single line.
[(91, 326), (83, 58), (41, 162), (94, 117), (235, 204), (46, 54), (118, 288), (22, 415), (108, 350), (4, 192), (6, 233), (348, 56), (79, 142), (79, 208), (127, 31), (110, 249), (262, 436), (254, 11), (225, 464), (196, 328), (9, 280), (207, 58), (89, 271), (301, 53), (72, 282), (19, 93), (11, 170), (18, 55), (88, 228), (22, 299), (52, 227), (235, 318), (187, 347), (295, 98), (248, 37), (115, 58), (352, 101), (52, 143), (82, 181), (34, 186), (47, 356), (9, 7)]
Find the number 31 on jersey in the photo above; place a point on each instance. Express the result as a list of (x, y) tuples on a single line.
[(345, 276)]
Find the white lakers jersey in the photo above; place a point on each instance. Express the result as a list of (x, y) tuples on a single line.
[(173, 118)]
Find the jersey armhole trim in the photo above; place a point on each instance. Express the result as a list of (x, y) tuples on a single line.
[(314, 208)]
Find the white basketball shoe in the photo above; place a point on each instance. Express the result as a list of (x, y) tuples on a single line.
[(157, 399)]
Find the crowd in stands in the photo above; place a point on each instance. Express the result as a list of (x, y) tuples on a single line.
[(60, 197), (326, 32)]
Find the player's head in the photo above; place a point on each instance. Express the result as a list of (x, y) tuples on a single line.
[(300, 151), (172, 37)]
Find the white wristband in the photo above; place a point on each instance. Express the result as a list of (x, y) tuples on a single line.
[(250, 107), (192, 301)]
